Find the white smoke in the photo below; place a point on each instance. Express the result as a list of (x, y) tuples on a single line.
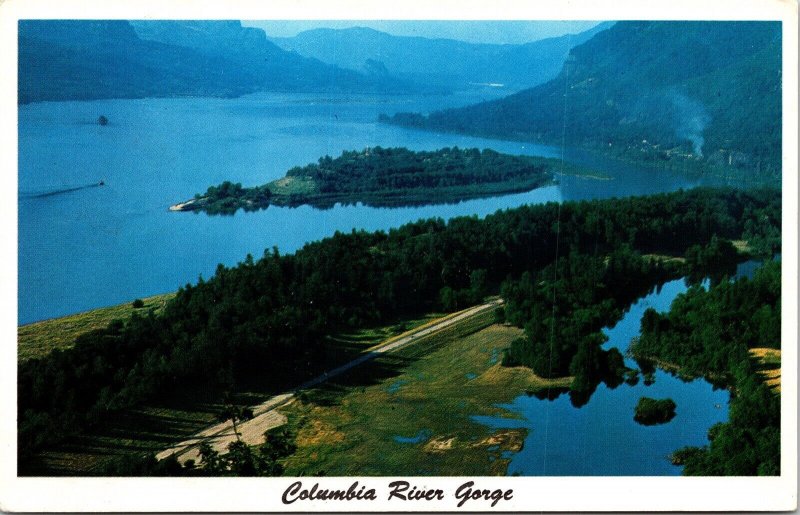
[(690, 119)]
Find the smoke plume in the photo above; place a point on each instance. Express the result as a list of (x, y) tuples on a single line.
[(690, 118)]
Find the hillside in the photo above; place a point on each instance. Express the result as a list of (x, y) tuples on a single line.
[(248, 47), (446, 63), (705, 92), (81, 60), (92, 59)]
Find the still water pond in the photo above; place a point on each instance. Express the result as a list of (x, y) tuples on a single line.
[(601, 438), (83, 246)]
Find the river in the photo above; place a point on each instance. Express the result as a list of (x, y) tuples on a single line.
[(82, 245)]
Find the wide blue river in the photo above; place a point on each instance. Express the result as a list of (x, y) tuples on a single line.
[(83, 246)]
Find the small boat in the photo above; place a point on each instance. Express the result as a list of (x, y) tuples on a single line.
[(101, 183)]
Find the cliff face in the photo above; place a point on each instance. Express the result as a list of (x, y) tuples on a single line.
[(79, 33), (79, 60)]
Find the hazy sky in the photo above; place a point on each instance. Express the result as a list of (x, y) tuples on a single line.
[(473, 31)]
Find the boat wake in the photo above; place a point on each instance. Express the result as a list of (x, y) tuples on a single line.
[(50, 193)]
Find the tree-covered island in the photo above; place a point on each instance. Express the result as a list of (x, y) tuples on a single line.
[(388, 177), (650, 412)]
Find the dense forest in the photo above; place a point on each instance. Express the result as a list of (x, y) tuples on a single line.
[(702, 95), (388, 177), (564, 307), (271, 315), (709, 332)]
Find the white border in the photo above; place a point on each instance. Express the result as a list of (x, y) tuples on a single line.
[(530, 494)]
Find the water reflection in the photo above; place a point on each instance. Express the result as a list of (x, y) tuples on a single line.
[(593, 432)]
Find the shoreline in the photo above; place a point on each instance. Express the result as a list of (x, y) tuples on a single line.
[(377, 200), (687, 167)]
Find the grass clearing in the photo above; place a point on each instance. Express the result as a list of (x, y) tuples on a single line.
[(39, 339), (664, 258), (768, 362), (291, 185), (742, 246), (139, 430), (408, 413), (371, 336)]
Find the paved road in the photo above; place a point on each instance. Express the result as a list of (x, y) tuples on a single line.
[(265, 416)]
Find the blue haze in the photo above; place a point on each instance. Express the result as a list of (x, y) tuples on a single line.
[(474, 31)]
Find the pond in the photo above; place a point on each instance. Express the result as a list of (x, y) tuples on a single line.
[(601, 438)]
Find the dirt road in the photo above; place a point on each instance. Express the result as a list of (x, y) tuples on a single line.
[(265, 416)]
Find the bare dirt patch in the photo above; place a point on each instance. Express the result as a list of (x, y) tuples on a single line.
[(769, 363), (439, 445), (505, 440)]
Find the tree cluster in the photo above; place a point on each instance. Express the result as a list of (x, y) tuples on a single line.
[(385, 169), (650, 412), (228, 197), (240, 460), (564, 307)]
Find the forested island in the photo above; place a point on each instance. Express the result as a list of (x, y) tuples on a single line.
[(271, 318), (384, 177), (650, 412)]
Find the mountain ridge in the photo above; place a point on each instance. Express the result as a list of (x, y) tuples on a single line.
[(458, 64), (702, 93), (93, 59)]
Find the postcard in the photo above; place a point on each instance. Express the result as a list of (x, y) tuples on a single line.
[(369, 256)]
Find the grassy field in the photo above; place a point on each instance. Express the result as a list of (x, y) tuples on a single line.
[(40, 338), (408, 413), (769, 366), (290, 185), (743, 246)]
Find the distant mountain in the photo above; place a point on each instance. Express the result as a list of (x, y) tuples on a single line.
[(650, 89), (443, 62), (250, 49), (80, 60), (88, 59)]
